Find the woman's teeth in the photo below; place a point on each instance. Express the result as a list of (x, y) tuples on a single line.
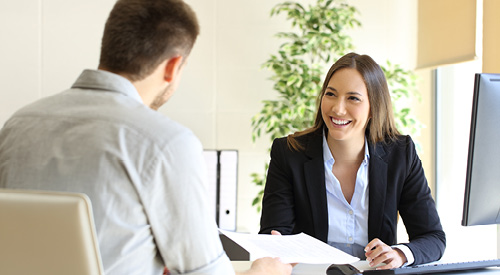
[(340, 121)]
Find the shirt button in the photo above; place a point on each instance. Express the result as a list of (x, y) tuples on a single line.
[(350, 239), (350, 212), (348, 245)]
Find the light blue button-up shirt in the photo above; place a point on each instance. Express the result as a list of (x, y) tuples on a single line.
[(348, 223), (143, 172)]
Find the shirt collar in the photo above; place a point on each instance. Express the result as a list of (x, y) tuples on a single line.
[(104, 80)]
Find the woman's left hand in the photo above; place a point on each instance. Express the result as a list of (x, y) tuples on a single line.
[(378, 252)]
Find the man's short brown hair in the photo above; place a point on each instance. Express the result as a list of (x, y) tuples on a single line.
[(140, 34)]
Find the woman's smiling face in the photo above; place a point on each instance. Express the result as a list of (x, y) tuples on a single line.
[(345, 107)]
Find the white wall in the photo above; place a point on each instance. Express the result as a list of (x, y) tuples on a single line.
[(46, 43)]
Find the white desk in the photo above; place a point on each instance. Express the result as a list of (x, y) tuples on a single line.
[(299, 269), (320, 269)]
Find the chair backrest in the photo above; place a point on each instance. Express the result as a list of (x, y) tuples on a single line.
[(47, 233)]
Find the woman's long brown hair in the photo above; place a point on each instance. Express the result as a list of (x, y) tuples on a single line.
[(381, 126)]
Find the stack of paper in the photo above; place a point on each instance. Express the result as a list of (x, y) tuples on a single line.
[(299, 248)]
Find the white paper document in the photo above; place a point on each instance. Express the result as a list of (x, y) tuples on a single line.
[(299, 248)]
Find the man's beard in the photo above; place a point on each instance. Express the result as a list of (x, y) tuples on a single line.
[(160, 99)]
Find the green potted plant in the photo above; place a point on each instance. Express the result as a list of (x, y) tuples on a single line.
[(299, 66)]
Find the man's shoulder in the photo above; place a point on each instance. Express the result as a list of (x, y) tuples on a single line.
[(109, 112), (164, 129), (153, 126)]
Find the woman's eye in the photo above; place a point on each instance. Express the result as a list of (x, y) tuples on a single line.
[(354, 98), (329, 94)]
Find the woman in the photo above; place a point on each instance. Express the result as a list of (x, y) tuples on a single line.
[(345, 179)]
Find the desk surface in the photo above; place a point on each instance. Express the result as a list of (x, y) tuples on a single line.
[(320, 269)]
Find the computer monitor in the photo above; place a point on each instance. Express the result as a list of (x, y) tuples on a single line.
[(482, 187)]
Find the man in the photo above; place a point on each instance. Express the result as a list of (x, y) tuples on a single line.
[(142, 171)]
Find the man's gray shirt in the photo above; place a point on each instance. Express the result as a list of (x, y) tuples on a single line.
[(143, 172)]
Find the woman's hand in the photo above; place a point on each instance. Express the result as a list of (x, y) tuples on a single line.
[(378, 252)]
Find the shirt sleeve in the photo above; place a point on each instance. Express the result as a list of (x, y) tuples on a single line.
[(408, 254), (176, 203)]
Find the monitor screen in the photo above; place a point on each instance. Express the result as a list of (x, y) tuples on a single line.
[(482, 186)]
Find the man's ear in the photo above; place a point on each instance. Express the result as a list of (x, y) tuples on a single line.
[(172, 67)]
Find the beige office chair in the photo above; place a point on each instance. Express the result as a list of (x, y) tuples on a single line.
[(47, 233)]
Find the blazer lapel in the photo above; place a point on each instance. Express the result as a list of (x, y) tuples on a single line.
[(314, 174), (377, 189)]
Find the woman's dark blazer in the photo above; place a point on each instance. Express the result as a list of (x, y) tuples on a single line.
[(295, 195)]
